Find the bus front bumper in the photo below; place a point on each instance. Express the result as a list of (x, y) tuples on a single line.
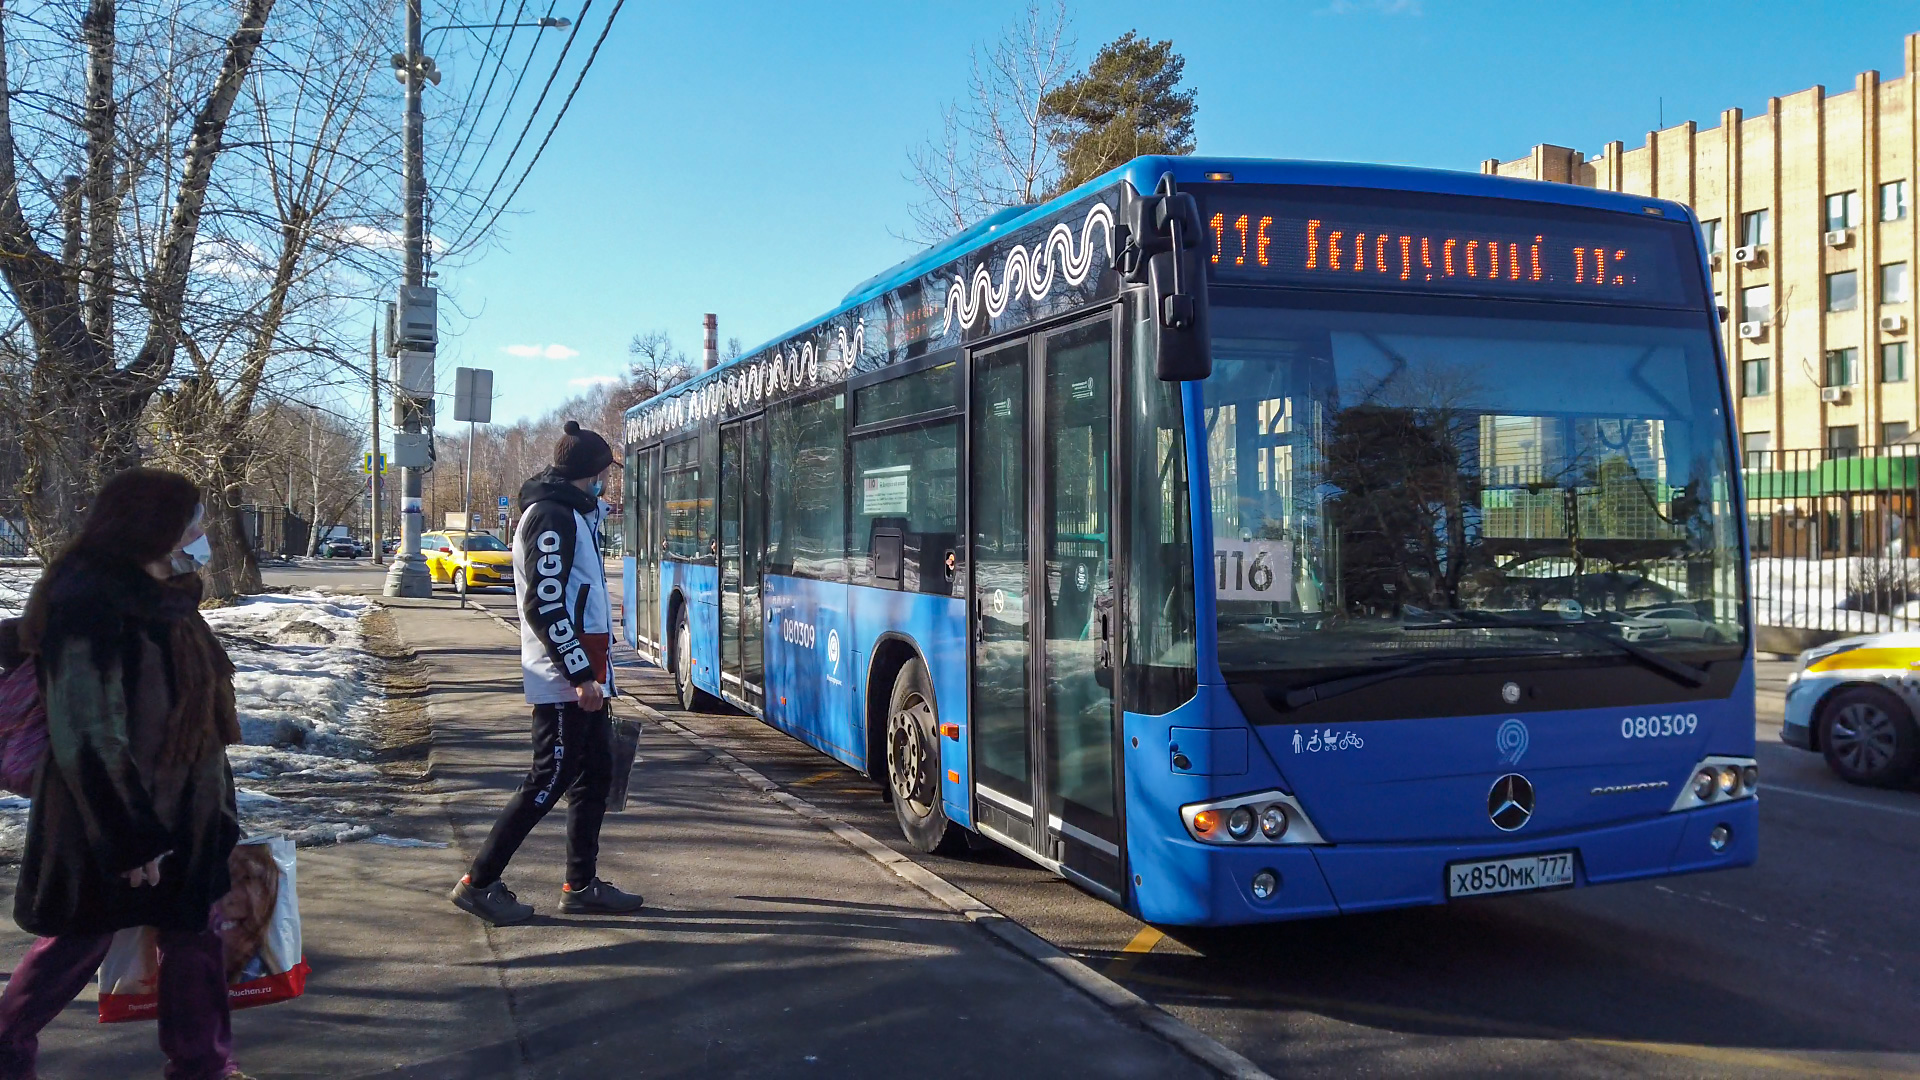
[(1211, 885)]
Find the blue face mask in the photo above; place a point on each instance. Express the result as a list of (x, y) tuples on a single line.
[(599, 486)]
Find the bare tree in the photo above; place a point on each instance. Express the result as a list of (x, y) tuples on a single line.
[(78, 157), (656, 364), (993, 149)]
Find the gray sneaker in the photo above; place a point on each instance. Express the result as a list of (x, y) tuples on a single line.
[(495, 903), (598, 898)]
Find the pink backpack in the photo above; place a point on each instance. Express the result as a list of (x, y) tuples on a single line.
[(23, 729)]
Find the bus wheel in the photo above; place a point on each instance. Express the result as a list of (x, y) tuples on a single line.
[(1869, 738), (913, 764), (692, 698)]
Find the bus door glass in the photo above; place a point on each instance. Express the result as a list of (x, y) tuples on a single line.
[(731, 446), (1076, 604), (1000, 691), (646, 550), (753, 540)]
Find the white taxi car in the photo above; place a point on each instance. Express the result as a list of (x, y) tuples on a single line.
[(1855, 701)]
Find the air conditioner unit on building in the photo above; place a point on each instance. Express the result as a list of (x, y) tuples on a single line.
[(1892, 324), (1833, 395), (1748, 255), (1837, 238), (1753, 331)]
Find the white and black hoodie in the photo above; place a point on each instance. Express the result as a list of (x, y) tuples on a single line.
[(560, 584)]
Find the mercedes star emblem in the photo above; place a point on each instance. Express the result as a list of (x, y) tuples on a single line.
[(1510, 803)]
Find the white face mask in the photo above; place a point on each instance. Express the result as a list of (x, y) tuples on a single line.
[(194, 557)]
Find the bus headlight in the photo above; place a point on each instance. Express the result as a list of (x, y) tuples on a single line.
[(1240, 822), (1267, 817), (1718, 780), (1273, 821)]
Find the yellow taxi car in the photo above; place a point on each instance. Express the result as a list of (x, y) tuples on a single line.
[(467, 560)]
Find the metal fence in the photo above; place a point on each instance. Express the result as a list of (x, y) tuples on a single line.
[(13, 531), (1835, 537)]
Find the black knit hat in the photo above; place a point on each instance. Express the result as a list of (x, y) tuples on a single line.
[(580, 453)]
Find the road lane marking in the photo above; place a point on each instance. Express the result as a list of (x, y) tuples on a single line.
[(1142, 944), (1336, 1009), (1842, 799), (828, 774)]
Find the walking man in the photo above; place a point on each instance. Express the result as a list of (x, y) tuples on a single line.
[(566, 620)]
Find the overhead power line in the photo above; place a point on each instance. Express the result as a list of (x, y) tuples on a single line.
[(460, 239)]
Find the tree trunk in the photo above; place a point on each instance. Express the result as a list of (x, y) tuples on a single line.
[(235, 570)]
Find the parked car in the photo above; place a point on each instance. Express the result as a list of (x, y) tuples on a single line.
[(467, 560), (340, 547), (1853, 702), (390, 545)]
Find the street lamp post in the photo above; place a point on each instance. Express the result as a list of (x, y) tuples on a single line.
[(409, 575)]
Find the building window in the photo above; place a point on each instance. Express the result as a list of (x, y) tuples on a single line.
[(1893, 201), (1754, 378), (1756, 449), (1756, 304), (1893, 362), (1892, 433), (1716, 237), (1843, 440), (1843, 290), (1840, 370), (1755, 228), (1843, 210), (1894, 288)]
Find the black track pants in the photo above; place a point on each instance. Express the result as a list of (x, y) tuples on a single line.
[(572, 756)]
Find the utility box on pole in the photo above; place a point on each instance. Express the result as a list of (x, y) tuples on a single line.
[(417, 316), (413, 373)]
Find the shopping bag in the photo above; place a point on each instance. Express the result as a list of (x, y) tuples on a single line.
[(258, 922), (626, 745)]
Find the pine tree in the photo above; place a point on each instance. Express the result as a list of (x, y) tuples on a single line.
[(1128, 102)]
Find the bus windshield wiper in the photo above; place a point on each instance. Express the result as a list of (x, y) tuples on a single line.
[(1302, 696), (1589, 628)]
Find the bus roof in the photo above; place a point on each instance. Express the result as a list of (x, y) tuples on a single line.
[(1144, 174)]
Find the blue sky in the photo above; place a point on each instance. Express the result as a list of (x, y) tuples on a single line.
[(746, 157)]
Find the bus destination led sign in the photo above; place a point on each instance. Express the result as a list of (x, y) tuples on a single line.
[(1445, 251)]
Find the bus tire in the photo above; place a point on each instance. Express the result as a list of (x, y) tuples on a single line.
[(913, 764), (692, 698), (1869, 738)]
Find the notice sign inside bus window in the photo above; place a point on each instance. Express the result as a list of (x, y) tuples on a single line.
[(1253, 569), (883, 492), (1427, 244)]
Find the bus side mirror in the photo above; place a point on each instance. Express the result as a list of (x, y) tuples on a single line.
[(1164, 249)]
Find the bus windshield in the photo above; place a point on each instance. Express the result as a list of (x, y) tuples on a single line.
[(1396, 477)]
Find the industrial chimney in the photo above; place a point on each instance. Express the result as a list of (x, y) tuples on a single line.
[(713, 341)]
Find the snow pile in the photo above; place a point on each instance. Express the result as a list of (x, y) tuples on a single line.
[(15, 583), (307, 702), (1855, 595)]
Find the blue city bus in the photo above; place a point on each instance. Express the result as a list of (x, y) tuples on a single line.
[(1241, 540)]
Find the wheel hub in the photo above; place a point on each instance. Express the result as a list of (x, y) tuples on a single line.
[(908, 757), (1863, 738)]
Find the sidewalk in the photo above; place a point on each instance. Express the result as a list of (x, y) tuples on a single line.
[(769, 947)]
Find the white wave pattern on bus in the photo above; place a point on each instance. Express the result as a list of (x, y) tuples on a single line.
[(786, 370), (1032, 271)]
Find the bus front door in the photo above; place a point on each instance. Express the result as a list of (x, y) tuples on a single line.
[(742, 536), (1043, 598)]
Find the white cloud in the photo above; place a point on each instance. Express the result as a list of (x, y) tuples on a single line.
[(556, 351), (593, 380)]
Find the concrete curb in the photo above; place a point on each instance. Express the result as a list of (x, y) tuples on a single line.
[(1117, 999)]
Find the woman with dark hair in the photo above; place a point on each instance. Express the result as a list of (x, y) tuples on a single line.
[(133, 811)]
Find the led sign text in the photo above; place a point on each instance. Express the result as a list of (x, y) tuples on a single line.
[(1324, 246)]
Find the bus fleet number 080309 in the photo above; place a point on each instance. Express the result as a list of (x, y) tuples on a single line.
[(1655, 727)]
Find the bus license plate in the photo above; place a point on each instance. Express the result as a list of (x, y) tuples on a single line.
[(1510, 875)]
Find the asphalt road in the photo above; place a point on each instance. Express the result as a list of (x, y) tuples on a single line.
[(1806, 964)]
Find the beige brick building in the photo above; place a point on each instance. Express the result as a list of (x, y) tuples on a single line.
[(1808, 211)]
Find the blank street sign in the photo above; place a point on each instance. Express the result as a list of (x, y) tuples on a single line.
[(473, 395)]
